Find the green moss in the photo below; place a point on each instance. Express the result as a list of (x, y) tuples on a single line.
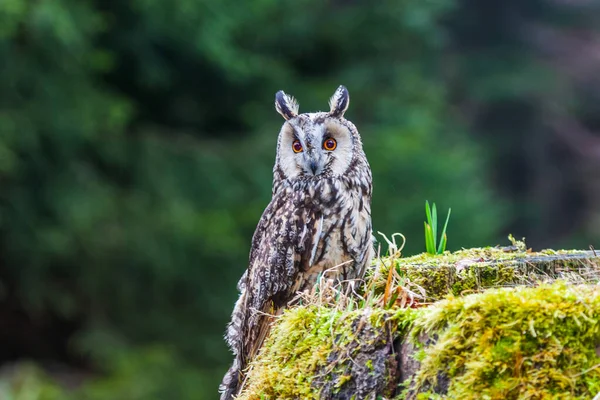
[(484, 342), (533, 343), (342, 380), (471, 270), (308, 343)]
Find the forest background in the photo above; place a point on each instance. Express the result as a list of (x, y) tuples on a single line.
[(137, 141)]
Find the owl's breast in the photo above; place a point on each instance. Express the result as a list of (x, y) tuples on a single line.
[(343, 237)]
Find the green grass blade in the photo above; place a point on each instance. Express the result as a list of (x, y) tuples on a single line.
[(446, 223), (442, 247), (444, 233), (428, 240), (434, 225), (393, 299), (428, 212), (430, 221)]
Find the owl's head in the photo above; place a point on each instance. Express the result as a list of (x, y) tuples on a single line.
[(316, 144)]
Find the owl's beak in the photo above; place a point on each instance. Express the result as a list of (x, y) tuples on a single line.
[(314, 167)]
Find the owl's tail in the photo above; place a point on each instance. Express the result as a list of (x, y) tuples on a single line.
[(231, 381), (235, 335)]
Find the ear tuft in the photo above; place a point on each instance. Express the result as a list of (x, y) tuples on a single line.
[(286, 105), (339, 102)]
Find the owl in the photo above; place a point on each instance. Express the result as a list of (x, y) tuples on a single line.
[(319, 219)]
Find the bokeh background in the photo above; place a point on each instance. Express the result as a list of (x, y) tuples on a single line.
[(137, 140)]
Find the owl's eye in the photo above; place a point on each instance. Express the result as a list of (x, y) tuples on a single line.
[(329, 144), (297, 146)]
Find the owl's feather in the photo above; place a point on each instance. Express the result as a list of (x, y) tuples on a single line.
[(339, 102), (279, 250), (286, 105)]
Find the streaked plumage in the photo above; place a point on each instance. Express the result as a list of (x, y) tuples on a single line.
[(319, 218)]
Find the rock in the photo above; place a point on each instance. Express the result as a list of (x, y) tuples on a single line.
[(536, 339)]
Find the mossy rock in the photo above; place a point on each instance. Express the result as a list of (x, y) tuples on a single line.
[(532, 341), (318, 352), (472, 270), (519, 343)]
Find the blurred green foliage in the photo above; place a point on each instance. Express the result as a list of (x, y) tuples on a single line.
[(136, 146), (151, 374)]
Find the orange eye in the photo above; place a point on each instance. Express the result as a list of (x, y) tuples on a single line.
[(297, 146), (329, 144)]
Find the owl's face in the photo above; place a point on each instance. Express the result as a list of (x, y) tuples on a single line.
[(316, 144)]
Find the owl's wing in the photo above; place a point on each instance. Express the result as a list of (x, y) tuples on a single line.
[(284, 243)]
